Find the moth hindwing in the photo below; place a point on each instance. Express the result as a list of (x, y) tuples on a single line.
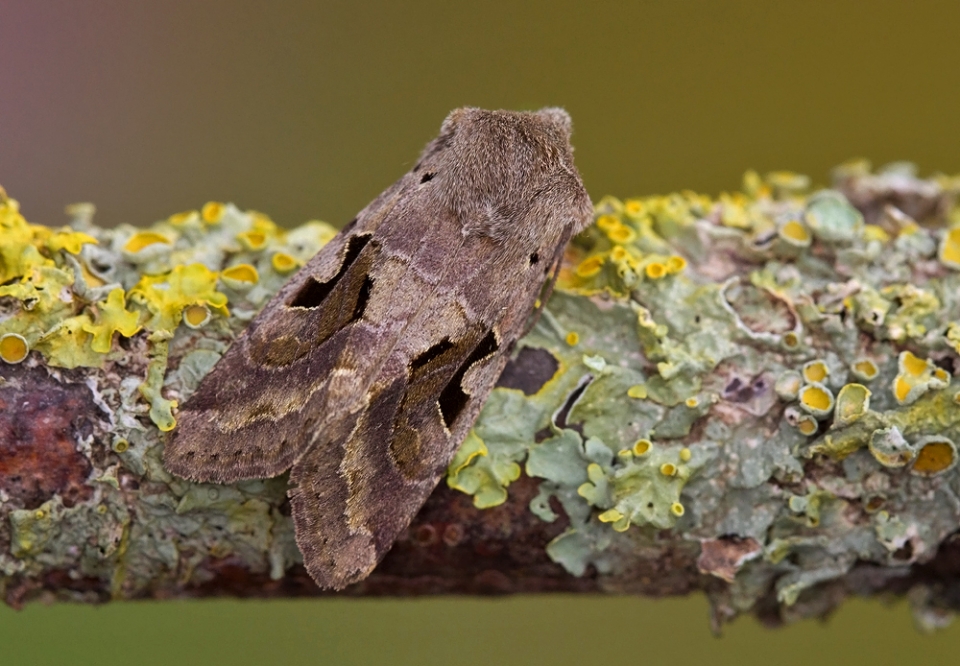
[(365, 372)]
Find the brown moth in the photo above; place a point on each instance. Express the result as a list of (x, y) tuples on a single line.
[(366, 371)]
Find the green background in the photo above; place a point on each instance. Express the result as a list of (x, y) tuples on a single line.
[(309, 109)]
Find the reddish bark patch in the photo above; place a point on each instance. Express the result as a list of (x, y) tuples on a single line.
[(723, 557), (40, 420)]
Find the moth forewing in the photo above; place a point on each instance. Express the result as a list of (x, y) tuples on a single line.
[(364, 374)]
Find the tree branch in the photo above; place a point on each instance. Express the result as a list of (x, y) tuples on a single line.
[(752, 396)]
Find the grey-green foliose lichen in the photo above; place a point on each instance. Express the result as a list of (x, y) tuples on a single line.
[(767, 377)]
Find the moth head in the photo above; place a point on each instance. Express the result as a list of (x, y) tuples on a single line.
[(490, 165)]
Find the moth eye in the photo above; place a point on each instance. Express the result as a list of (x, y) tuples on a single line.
[(534, 258), (427, 177), (453, 399), (313, 292)]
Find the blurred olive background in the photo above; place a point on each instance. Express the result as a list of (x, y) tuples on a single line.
[(307, 110)]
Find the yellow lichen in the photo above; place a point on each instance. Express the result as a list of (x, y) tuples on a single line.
[(212, 212), (473, 447), (816, 399), (668, 469), (18, 254), (815, 371), (590, 266), (675, 264), (655, 270), (890, 448), (595, 476), (795, 233), (263, 224), (677, 509), (733, 211), (112, 317), (916, 377), (13, 348), (572, 338), (607, 222), (634, 207), (69, 344), (788, 182), (69, 241), (621, 234), (252, 240), (283, 263), (144, 239), (936, 455), (610, 516), (913, 365), (865, 369), (807, 425), (901, 388), (873, 232), (240, 277), (474, 472), (166, 296), (619, 254), (196, 316), (641, 447), (184, 218), (620, 522), (685, 454), (949, 252), (638, 391)]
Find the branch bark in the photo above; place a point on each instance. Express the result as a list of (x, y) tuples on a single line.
[(88, 513)]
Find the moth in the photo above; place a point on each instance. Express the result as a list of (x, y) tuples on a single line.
[(365, 372)]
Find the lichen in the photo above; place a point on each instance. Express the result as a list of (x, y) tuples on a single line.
[(748, 359), (772, 367)]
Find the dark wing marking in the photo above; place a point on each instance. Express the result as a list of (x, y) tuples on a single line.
[(453, 398), (314, 293), (242, 423)]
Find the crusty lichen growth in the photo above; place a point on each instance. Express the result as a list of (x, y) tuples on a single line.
[(143, 314), (765, 365), (772, 367)]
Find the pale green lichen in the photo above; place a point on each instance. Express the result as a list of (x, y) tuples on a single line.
[(815, 316)]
